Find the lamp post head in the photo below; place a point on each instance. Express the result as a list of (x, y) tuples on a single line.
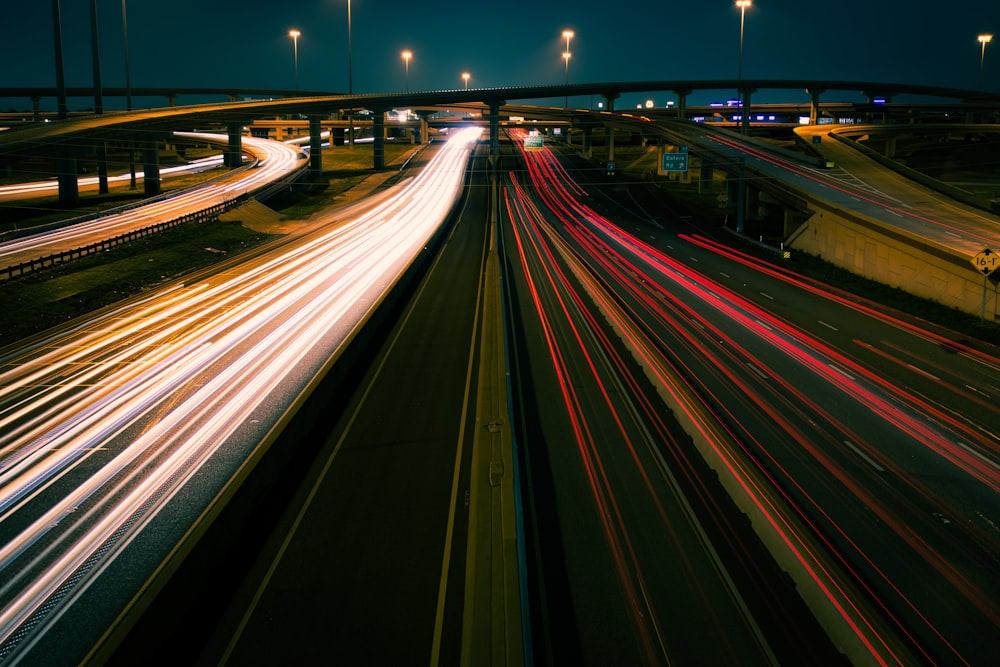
[(567, 55), (985, 39), (294, 34), (407, 55), (743, 4), (568, 34)]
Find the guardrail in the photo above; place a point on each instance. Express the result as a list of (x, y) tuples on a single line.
[(11, 234), (209, 214), (983, 203)]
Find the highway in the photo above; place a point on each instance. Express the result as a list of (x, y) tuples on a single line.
[(870, 440), (368, 563), (50, 188), (858, 183), (274, 162), (120, 430), (863, 444), (396, 594)]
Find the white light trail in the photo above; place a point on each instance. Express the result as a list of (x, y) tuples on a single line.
[(185, 370)]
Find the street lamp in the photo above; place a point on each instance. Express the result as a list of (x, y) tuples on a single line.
[(406, 60), (567, 35), (350, 53), (350, 77), (128, 98), (742, 4), (466, 76), (294, 34), (566, 56), (984, 40)]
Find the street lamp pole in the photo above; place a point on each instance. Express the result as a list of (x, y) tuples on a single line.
[(128, 98), (741, 192), (465, 76), (350, 78), (568, 35), (566, 56), (294, 34), (350, 53), (60, 69), (742, 4), (984, 40), (406, 60)]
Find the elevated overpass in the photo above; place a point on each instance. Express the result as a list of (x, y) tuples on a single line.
[(145, 127)]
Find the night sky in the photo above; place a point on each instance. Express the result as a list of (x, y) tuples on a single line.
[(208, 43)]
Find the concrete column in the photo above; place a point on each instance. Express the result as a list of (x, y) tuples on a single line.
[(36, 114), (890, 147), (102, 167), (745, 111), (315, 146), (814, 105), (233, 157), (789, 222), (495, 131), (69, 188), (609, 131), (587, 150), (682, 105), (378, 136), (172, 99), (151, 166)]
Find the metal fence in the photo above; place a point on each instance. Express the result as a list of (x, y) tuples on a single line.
[(206, 215)]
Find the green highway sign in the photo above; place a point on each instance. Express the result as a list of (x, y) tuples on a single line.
[(674, 161), (534, 142)]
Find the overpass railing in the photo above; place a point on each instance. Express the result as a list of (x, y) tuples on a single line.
[(210, 214)]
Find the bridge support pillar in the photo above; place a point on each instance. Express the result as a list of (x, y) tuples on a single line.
[(316, 147), (790, 223), (233, 157), (610, 98), (682, 105), (495, 131), (151, 166), (36, 111), (890, 147), (814, 105), (745, 109), (378, 138), (69, 188), (102, 167), (587, 149)]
